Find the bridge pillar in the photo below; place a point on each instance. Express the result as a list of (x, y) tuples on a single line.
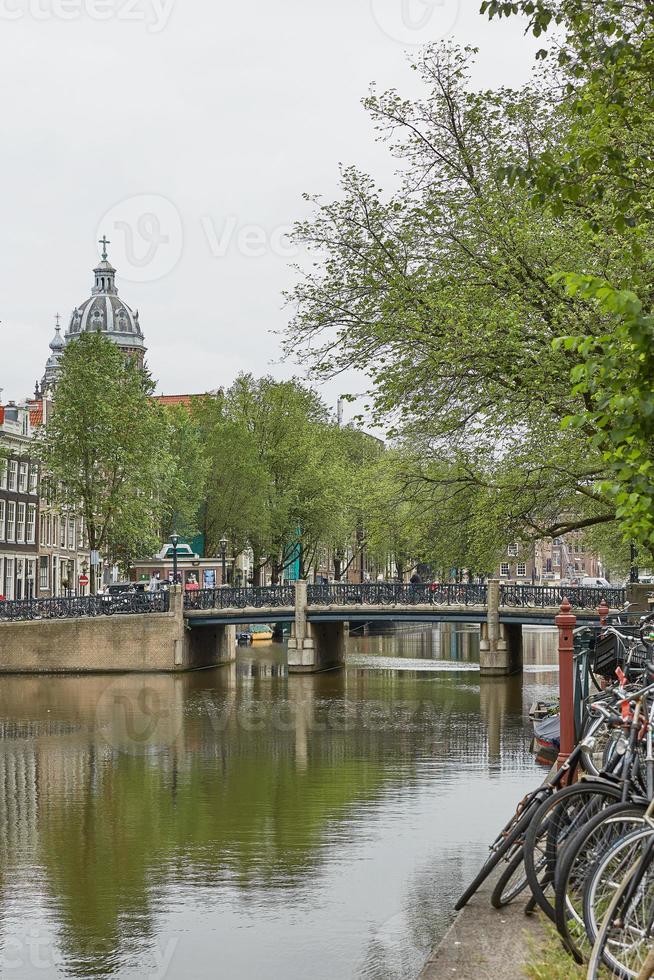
[(313, 647), (500, 648)]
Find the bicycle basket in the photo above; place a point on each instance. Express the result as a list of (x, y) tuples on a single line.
[(611, 652)]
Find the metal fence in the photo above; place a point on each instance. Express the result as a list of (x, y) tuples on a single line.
[(396, 594), (76, 607), (269, 596), (540, 596)]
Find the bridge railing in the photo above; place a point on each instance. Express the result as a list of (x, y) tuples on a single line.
[(396, 594), (75, 607), (269, 596), (540, 596)]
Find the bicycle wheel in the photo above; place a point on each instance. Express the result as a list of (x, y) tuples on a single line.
[(579, 857), (553, 824), (511, 883), (605, 878), (624, 940), (506, 843)]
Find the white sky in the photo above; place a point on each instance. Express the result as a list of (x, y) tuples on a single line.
[(214, 116)]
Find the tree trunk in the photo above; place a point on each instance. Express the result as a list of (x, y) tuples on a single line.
[(338, 567)]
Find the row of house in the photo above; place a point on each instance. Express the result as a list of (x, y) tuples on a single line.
[(43, 550)]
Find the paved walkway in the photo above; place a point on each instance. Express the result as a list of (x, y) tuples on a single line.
[(484, 944)]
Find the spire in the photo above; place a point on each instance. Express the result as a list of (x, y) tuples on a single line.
[(104, 273), (53, 366)]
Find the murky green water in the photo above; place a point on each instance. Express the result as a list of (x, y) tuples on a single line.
[(239, 823)]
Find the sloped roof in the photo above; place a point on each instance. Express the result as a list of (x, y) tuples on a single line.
[(177, 399)]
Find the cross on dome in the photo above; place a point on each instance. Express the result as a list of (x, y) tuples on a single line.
[(104, 241)]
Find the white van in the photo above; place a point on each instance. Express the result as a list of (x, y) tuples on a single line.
[(595, 583)]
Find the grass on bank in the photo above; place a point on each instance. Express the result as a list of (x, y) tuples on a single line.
[(549, 961)]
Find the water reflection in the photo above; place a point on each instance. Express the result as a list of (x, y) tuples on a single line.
[(161, 825)]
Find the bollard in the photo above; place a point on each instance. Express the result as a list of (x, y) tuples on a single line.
[(566, 623), (603, 612)]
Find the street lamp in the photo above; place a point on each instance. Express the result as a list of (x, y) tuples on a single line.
[(174, 540), (223, 553), (633, 571)]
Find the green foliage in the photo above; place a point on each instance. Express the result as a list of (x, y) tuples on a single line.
[(105, 450), (282, 475), (442, 293), (181, 497), (616, 376), (602, 172)]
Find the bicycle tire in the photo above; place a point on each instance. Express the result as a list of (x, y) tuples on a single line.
[(511, 883), (511, 833), (578, 859), (612, 865), (547, 833), (620, 914)]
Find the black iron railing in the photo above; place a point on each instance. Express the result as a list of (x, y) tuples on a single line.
[(540, 596), (269, 596), (396, 594), (76, 607)]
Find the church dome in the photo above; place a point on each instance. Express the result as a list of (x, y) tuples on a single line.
[(106, 313)]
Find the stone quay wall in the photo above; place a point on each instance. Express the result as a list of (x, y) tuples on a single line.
[(146, 642)]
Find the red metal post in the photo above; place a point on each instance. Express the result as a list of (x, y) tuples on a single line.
[(566, 623), (603, 612)]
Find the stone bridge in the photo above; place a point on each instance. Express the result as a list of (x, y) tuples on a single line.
[(320, 614), (181, 631)]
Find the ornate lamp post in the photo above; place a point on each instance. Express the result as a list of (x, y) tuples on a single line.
[(174, 540), (223, 554)]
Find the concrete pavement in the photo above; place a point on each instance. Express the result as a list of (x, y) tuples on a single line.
[(484, 943)]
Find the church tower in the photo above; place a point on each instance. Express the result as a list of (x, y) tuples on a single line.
[(52, 365), (105, 312)]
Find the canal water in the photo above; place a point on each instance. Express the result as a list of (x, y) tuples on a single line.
[(240, 823)]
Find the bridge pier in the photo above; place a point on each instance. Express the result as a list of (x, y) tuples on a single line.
[(500, 648), (313, 647)]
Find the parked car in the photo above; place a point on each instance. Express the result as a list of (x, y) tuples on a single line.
[(117, 588)]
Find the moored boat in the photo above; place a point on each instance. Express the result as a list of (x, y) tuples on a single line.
[(260, 632)]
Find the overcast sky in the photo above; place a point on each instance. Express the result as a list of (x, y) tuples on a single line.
[(187, 131)]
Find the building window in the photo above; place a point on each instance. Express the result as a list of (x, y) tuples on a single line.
[(20, 524), (12, 470), (512, 550), (62, 532), (521, 570), (9, 578), (42, 537), (22, 478), (34, 478), (3, 474), (71, 534), (44, 572), (11, 523), (31, 523), (2, 520), (505, 569)]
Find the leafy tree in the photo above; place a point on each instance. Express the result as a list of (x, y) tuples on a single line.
[(105, 450), (182, 496), (602, 173), (278, 476), (442, 293)]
